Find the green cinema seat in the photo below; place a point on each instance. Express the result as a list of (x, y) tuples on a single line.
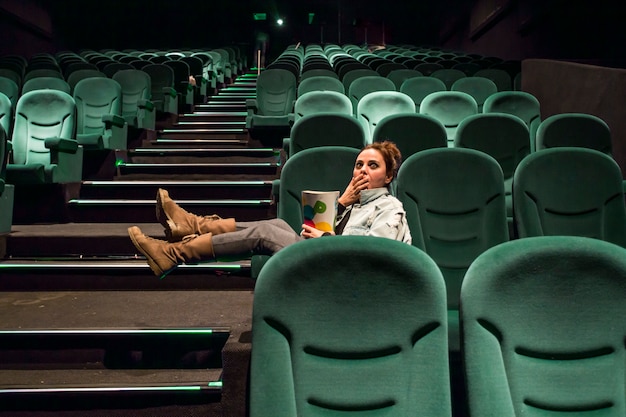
[(349, 325), (570, 191), (519, 103), (574, 129), (275, 97), (362, 86), (100, 124), (375, 106), (411, 132), (325, 129), (162, 89), (398, 76), (320, 83), (44, 148), (137, 107), (455, 207), (448, 75), (7, 191), (450, 108), (544, 324), (41, 83), (478, 87), (419, 87)]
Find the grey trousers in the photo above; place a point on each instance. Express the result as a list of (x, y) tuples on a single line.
[(264, 237)]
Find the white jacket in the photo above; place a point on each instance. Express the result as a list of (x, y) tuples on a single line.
[(378, 213)]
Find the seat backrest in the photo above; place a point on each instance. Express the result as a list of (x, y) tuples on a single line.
[(501, 135), (320, 83), (544, 324), (322, 102), (326, 129), (398, 76), (94, 98), (574, 129), (478, 87), (275, 92), (321, 345), (375, 106), (6, 114), (520, 103), (448, 76), (450, 108), (39, 115), (419, 87), (428, 68), (136, 86), (81, 74), (10, 89), (111, 69), (41, 83), (302, 172), (499, 76), (161, 77), (455, 208), (42, 73), (365, 85), (411, 132), (354, 74), (317, 73), (570, 191)]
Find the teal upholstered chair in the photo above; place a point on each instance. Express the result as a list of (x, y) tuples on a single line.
[(419, 87), (44, 146), (501, 135), (315, 102), (375, 106), (398, 76), (450, 108), (10, 89), (100, 124), (325, 129), (81, 74), (411, 132), (6, 114), (574, 129), (302, 172), (362, 86), (6, 190), (137, 108), (519, 103), (349, 325), (478, 87), (544, 324), (275, 97), (499, 76), (448, 75), (41, 83), (162, 88), (570, 191), (455, 207), (320, 83)]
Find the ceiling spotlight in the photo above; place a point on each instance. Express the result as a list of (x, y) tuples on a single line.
[(280, 22)]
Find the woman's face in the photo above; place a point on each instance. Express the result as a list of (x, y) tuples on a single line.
[(371, 164)]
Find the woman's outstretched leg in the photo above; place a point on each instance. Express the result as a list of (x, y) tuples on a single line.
[(163, 256), (179, 223), (264, 237)]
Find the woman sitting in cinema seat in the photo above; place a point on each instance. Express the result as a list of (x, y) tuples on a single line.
[(364, 208)]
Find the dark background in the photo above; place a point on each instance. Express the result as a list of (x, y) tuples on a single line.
[(584, 31)]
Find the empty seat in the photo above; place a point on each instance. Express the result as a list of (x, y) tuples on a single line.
[(455, 207), (44, 147), (450, 108), (81, 74), (574, 129), (322, 102), (325, 129), (137, 109), (162, 91), (500, 77), (543, 328), (411, 132), (6, 115), (275, 96), (419, 87), (448, 76), (10, 89), (570, 191), (478, 87), (519, 103), (352, 75), (7, 191), (320, 83), (375, 106), (368, 84), (398, 76), (40, 83), (503, 136), (321, 352), (100, 124)]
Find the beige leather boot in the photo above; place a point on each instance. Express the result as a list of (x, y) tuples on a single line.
[(179, 223), (163, 256)]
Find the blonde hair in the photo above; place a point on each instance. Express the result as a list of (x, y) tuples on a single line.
[(391, 155)]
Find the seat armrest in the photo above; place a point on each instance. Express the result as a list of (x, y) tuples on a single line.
[(61, 144), (113, 120), (169, 91), (145, 104)]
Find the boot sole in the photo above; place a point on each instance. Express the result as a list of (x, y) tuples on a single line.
[(162, 216), (151, 263)]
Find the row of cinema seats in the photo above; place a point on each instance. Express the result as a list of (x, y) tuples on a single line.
[(456, 204), (542, 320)]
